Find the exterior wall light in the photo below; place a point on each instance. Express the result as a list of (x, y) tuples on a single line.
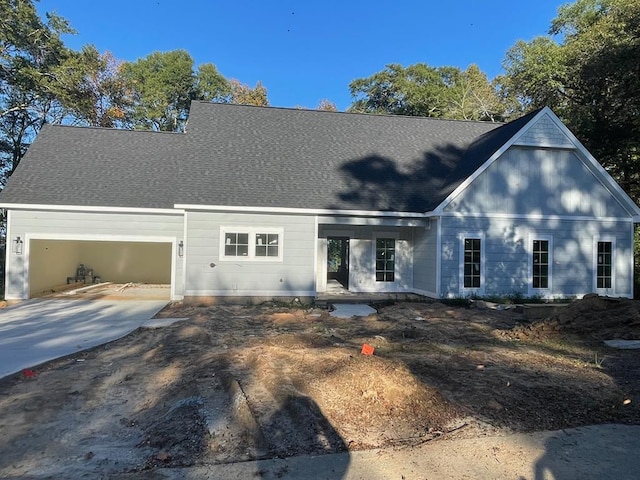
[(19, 243), (180, 248)]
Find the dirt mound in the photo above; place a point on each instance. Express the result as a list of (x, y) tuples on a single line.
[(595, 317), (325, 399)]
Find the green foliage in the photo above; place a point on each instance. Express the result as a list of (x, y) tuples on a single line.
[(535, 76), (92, 90), (30, 50), (242, 94), (422, 90), (210, 84), (162, 86), (591, 79)]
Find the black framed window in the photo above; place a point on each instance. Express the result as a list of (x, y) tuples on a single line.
[(267, 244), (540, 264), (472, 262), (385, 259), (236, 244), (605, 265)]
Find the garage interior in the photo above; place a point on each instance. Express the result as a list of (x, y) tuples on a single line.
[(53, 262)]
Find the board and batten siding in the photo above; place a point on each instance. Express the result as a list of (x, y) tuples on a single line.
[(507, 251), (207, 275), (536, 181), (86, 226), (425, 263)]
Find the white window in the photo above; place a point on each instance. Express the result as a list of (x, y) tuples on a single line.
[(257, 244)]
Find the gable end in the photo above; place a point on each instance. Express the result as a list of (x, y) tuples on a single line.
[(544, 133)]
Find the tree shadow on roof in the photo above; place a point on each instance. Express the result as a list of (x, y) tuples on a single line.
[(381, 183)]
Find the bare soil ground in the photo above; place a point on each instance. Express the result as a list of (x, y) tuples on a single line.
[(235, 383)]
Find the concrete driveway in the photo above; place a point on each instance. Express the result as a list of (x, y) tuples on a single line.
[(37, 331)]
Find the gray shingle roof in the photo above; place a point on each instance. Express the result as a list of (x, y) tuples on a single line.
[(97, 167), (262, 157)]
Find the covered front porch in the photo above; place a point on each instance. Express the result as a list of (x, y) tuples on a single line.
[(377, 262)]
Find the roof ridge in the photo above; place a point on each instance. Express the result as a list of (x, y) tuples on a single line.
[(367, 114), (108, 129)]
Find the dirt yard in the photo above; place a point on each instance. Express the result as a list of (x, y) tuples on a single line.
[(235, 383)]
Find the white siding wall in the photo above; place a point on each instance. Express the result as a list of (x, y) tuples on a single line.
[(124, 227), (507, 254), (530, 181), (425, 259), (209, 275)]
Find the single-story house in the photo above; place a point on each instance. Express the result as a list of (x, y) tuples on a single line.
[(280, 203)]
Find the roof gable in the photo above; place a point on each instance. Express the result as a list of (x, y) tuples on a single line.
[(542, 129)]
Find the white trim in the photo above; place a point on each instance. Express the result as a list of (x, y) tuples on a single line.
[(251, 254), (438, 256), (373, 221), (101, 237), (605, 179), (542, 292), (316, 240), (79, 208), (94, 238), (534, 216), (466, 291), (185, 235), (302, 211), (605, 291)]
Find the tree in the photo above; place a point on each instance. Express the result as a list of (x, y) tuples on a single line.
[(591, 79), (162, 86), (243, 94), (422, 90), (211, 85), (470, 96), (535, 75), (327, 106), (91, 88), (30, 50)]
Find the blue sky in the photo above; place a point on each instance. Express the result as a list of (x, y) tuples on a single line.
[(304, 52)]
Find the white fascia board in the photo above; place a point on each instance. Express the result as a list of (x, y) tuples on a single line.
[(94, 209), (537, 216), (440, 208), (91, 237), (301, 211)]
